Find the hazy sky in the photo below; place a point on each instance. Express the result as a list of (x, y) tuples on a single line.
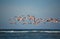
[(37, 8)]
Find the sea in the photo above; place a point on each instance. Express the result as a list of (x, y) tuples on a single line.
[(32, 34)]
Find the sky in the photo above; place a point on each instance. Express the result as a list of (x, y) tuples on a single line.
[(38, 8)]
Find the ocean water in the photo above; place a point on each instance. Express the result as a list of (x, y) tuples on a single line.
[(29, 35)]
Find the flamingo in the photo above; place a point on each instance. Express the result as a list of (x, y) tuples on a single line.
[(54, 20)]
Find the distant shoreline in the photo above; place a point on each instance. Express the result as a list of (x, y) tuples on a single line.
[(29, 29)]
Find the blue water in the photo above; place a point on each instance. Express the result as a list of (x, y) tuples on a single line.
[(30, 35)]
